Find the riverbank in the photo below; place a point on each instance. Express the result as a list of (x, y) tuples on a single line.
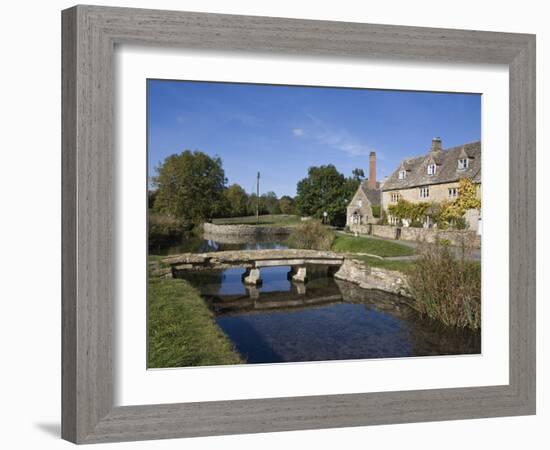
[(181, 329), (367, 276)]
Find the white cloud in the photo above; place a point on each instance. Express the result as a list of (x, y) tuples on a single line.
[(298, 132), (337, 138)]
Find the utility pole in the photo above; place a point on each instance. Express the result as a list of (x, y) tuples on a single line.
[(258, 199)]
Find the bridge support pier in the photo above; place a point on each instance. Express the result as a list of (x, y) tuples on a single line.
[(253, 292), (300, 288), (298, 274), (252, 277)]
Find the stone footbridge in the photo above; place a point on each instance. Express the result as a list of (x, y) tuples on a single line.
[(252, 261)]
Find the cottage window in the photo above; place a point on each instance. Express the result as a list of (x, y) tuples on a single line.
[(424, 192), (360, 203), (453, 192), (431, 169), (402, 174), (463, 163), (395, 197)]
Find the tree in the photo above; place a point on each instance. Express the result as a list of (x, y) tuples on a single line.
[(251, 205), (358, 174), (467, 195), (453, 212), (190, 186), (270, 203), (236, 199), (151, 196), (286, 204), (325, 190)]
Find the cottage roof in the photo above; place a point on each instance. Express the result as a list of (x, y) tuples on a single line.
[(447, 169), (372, 194)]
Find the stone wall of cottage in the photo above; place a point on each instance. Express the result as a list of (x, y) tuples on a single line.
[(438, 193)]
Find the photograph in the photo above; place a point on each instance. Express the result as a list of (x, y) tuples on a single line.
[(299, 223)]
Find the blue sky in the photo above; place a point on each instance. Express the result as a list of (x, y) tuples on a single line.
[(282, 130)]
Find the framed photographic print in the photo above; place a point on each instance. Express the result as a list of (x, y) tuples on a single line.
[(268, 222)]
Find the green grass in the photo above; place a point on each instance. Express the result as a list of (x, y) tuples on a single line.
[(400, 266), (265, 220), (352, 244), (181, 328)]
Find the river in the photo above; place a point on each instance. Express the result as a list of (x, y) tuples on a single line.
[(325, 319)]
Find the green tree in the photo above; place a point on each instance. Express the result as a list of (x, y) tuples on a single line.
[(151, 196), (251, 205), (325, 190), (452, 213), (467, 195), (286, 204), (270, 203), (236, 199), (190, 186), (358, 174)]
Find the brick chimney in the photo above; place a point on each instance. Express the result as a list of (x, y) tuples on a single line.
[(436, 144), (372, 170)]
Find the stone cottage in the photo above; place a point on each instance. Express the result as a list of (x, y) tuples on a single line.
[(359, 210), (434, 177)]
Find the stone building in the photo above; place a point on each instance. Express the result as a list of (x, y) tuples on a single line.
[(434, 177), (359, 210)]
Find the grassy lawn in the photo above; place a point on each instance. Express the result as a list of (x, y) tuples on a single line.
[(401, 266), (377, 247), (267, 219), (181, 328)]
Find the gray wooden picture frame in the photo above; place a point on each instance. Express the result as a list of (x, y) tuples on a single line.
[(90, 34)]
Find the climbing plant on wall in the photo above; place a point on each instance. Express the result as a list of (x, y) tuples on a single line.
[(445, 213)]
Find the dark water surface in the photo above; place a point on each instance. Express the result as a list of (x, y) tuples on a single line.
[(325, 319)]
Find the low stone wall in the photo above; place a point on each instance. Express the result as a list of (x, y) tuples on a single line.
[(245, 230), (454, 237), (384, 231), (368, 277)]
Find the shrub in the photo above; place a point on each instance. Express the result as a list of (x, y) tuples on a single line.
[(165, 230), (311, 235), (375, 211), (447, 288), (404, 209), (460, 224)]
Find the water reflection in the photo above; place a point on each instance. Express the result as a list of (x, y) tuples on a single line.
[(324, 320)]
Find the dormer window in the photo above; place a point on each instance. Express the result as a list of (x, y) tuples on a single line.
[(431, 169), (402, 174), (463, 163)]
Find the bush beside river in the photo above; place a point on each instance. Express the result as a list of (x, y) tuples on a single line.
[(311, 235), (446, 288)]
